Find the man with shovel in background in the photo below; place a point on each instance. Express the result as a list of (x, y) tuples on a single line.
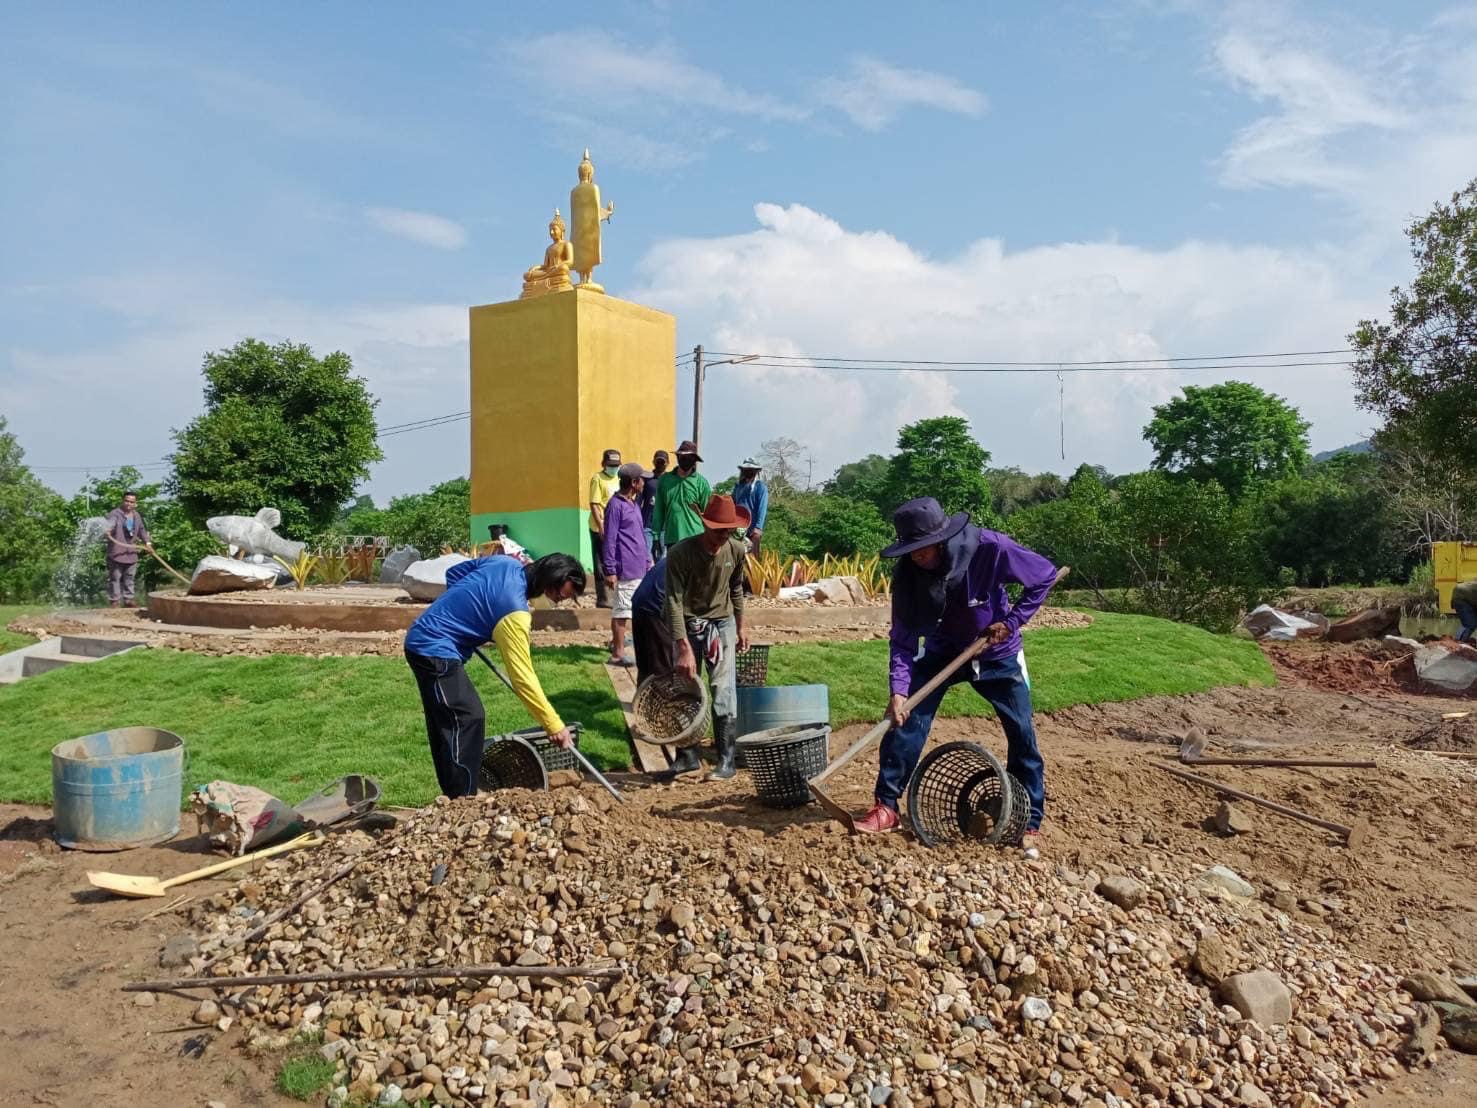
[(948, 588), (485, 598)]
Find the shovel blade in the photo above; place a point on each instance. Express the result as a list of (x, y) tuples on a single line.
[(125, 884), (1193, 745), (834, 810)]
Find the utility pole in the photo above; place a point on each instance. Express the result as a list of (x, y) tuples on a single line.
[(697, 396)]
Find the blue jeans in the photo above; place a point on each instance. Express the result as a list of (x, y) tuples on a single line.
[(1467, 613), (1005, 685), (655, 545)]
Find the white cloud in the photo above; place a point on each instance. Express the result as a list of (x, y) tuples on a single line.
[(874, 93), (595, 64), (1386, 124), (802, 283), (421, 227)]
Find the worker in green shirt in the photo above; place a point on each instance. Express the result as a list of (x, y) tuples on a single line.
[(704, 612), (680, 498), (1464, 603)]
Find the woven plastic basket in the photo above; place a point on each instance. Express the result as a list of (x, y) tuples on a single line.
[(961, 791), (783, 759), (751, 668), (671, 710), (553, 757), (511, 763)]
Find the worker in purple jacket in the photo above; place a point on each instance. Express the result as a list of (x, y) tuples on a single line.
[(948, 589)]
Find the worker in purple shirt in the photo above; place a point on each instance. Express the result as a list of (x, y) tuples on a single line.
[(626, 557), (948, 589)]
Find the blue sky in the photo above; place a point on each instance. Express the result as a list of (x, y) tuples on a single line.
[(1023, 181)]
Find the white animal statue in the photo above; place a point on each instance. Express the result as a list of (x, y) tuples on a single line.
[(254, 534)]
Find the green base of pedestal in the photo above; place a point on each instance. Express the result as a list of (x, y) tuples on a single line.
[(545, 531)]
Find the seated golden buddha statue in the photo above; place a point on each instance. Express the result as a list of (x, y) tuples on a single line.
[(553, 275)]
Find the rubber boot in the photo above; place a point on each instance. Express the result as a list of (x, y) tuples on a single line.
[(687, 761), (725, 742)]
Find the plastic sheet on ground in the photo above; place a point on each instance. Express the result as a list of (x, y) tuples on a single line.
[(1267, 622)]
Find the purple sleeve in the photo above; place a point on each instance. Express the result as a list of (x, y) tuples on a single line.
[(902, 648), (1028, 569), (610, 538)]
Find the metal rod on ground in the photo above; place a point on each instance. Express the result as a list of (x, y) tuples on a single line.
[(856, 748), (574, 749), (1326, 763), (408, 973), (261, 929), (1351, 835)]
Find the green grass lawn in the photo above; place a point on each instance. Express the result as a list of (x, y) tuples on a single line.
[(291, 724), (10, 640), (1119, 657)]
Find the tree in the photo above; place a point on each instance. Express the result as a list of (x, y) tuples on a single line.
[(30, 544), (786, 464), (864, 480), (281, 428), (1333, 524), (1419, 370), (1012, 489), (426, 520), (939, 458), (843, 527), (1234, 434)]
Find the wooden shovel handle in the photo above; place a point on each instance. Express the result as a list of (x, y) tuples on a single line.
[(967, 654), (309, 839)]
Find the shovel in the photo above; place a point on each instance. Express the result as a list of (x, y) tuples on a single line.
[(127, 884), (589, 766), (1192, 752)]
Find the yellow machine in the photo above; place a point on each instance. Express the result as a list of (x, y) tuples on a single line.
[(1453, 562)]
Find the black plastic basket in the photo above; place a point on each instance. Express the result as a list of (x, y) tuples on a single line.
[(553, 757), (783, 759), (511, 763), (751, 667), (670, 709), (961, 791)]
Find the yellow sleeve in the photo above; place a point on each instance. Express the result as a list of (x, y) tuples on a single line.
[(511, 637)]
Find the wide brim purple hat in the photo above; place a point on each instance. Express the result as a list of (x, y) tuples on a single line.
[(921, 523)]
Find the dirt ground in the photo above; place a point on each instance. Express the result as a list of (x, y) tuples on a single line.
[(870, 622), (1406, 897)]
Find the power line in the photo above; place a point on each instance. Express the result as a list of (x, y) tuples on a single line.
[(1049, 367), (1053, 365)]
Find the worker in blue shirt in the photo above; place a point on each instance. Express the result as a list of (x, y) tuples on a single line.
[(485, 598), (753, 494)]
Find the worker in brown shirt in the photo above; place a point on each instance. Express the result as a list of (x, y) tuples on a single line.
[(705, 614)]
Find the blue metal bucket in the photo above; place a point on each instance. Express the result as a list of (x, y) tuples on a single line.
[(764, 707), (117, 790)]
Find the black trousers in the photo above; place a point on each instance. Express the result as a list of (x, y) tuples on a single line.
[(656, 653), (455, 721), (597, 559)]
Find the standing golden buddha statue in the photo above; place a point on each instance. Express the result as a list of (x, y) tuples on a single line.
[(584, 209), (553, 275)]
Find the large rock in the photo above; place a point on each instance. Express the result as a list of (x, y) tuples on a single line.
[(1123, 891), (840, 590), (426, 580), (217, 573), (1259, 995), (1450, 668), (1432, 986), (395, 563), (1459, 1025), (1230, 820), (255, 534), (1213, 960), (1372, 623), (1226, 880)]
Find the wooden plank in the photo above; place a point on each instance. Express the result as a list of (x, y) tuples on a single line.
[(651, 758)]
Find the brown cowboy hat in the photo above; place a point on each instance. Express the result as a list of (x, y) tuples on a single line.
[(721, 514)]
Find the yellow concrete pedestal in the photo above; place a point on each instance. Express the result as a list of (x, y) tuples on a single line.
[(556, 380)]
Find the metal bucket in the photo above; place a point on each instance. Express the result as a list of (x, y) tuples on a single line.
[(117, 790), (765, 707)]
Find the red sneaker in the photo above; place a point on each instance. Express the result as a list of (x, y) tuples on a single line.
[(881, 818)]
